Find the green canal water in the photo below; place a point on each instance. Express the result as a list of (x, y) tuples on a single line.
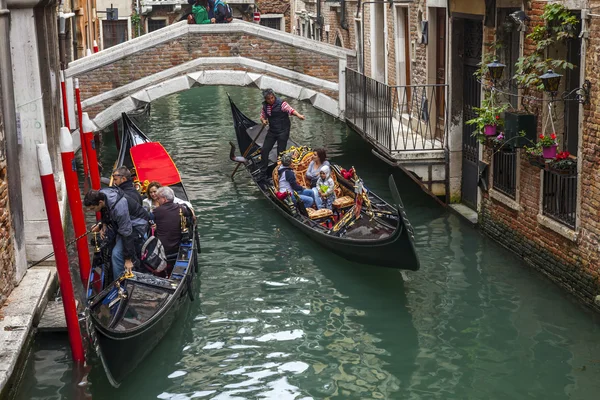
[(278, 317)]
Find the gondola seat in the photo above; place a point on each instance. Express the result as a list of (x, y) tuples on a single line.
[(343, 202), (319, 214)]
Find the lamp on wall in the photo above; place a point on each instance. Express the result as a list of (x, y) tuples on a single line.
[(495, 70), (551, 82)]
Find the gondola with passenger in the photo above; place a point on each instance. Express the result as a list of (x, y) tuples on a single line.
[(360, 226), (126, 316)]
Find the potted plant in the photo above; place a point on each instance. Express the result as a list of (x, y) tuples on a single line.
[(563, 164), (534, 156), (548, 143), (488, 120)]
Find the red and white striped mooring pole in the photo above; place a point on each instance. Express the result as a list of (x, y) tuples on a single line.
[(86, 168), (63, 89), (60, 251), (74, 196), (90, 149), (95, 47)]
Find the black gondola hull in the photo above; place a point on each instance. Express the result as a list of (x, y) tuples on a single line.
[(127, 318), (395, 252), (122, 354)]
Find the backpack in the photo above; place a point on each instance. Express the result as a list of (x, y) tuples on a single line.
[(228, 12), (153, 254)]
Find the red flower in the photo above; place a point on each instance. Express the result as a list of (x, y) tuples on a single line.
[(553, 136), (497, 117), (541, 136)]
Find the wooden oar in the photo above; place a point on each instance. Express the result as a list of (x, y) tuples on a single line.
[(248, 150)]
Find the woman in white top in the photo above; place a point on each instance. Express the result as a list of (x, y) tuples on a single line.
[(319, 160), (151, 200)]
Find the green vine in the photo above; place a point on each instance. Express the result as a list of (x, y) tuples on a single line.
[(136, 24), (559, 25)]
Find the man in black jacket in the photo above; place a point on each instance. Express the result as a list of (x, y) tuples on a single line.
[(167, 219), (122, 179), (129, 223)]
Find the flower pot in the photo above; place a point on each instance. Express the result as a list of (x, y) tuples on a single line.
[(549, 152), (489, 130)]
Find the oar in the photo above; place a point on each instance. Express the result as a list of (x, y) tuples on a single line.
[(248, 150)]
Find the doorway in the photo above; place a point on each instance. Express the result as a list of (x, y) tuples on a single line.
[(472, 47)]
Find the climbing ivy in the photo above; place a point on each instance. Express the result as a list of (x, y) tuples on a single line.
[(558, 25), (136, 24)]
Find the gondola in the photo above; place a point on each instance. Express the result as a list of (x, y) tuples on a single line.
[(362, 227), (126, 317)]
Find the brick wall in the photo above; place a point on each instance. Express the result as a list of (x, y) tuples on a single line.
[(7, 260), (573, 265), (277, 7), (192, 46)]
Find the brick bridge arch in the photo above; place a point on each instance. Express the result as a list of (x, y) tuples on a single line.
[(182, 56)]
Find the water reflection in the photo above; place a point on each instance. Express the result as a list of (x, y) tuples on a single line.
[(280, 318)]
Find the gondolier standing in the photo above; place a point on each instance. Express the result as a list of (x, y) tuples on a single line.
[(276, 113)]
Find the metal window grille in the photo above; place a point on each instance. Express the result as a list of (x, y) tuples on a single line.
[(559, 200), (274, 23), (396, 118), (155, 24), (505, 172), (114, 32)]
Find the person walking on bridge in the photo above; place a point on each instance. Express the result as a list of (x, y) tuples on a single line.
[(276, 113)]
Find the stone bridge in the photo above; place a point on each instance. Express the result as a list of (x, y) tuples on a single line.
[(181, 56)]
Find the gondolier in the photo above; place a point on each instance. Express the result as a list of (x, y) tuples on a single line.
[(276, 113)]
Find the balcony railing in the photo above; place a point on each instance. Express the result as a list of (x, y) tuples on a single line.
[(397, 118), (560, 197), (505, 172)]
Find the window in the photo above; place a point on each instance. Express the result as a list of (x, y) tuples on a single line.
[(509, 38), (505, 172), (559, 200), (114, 32), (273, 23), (155, 24), (572, 77)]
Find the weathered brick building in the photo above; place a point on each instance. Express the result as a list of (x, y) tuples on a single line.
[(550, 217), (7, 259)]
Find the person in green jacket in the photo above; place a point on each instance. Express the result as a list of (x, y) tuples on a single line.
[(200, 12)]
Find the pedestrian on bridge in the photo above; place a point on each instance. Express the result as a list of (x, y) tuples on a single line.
[(276, 113), (200, 10)]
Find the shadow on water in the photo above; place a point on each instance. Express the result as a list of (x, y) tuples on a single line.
[(279, 317)]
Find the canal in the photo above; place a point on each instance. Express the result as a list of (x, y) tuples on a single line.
[(280, 318)]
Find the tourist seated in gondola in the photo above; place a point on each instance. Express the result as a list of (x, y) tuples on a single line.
[(130, 225), (167, 219), (122, 179), (288, 183), (324, 190), (151, 200), (319, 159)]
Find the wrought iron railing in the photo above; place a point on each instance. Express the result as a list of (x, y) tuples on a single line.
[(397, 118), (559, 200), (504, 169)]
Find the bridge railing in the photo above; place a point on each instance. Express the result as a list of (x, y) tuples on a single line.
[(397, 118)]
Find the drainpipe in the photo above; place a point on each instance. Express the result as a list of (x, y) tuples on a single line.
[(74, 31), (62, 36), (344, 23), (9, 113)]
